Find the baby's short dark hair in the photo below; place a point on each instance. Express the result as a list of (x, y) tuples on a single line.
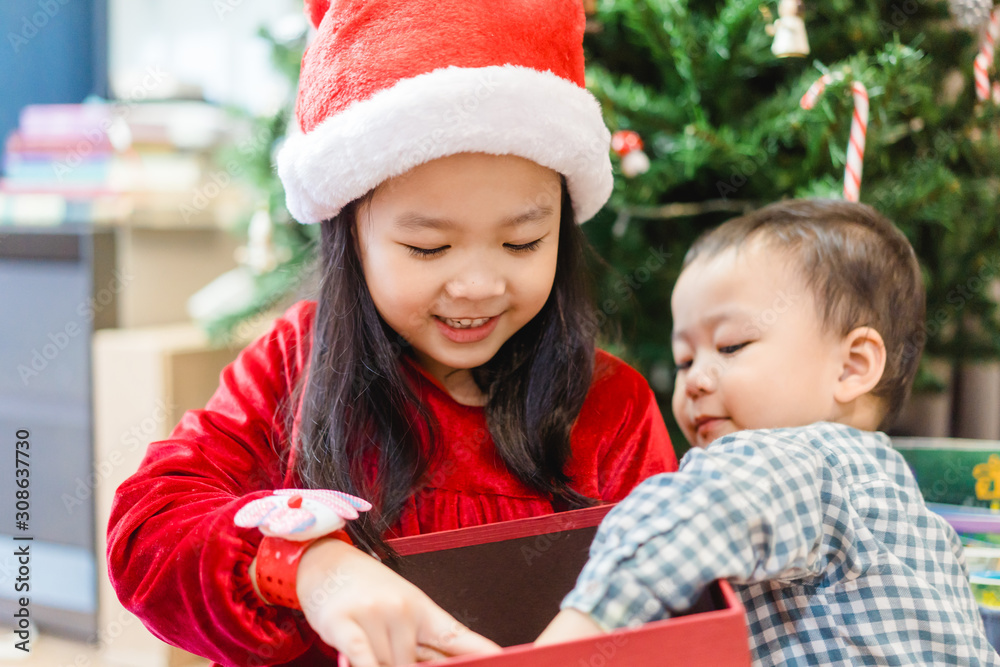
[(861, 269)]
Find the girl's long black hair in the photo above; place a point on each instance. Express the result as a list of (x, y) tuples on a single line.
[(357, 430)]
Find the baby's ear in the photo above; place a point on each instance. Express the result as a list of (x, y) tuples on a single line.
[(863, 356)]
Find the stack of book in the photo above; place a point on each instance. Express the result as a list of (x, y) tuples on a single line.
[(106, 162)]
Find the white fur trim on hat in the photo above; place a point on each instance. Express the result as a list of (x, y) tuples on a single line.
[(501, 110)]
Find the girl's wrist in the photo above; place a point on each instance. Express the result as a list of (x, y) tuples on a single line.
[(320, 566)]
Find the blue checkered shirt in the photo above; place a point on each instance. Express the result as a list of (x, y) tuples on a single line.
[(824, 535)]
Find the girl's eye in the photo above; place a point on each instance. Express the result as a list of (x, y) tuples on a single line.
[(426, 252), (683, 365), (524, 247), (732, 349)]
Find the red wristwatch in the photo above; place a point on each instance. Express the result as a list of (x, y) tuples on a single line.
[(305, 514), (278, 566)]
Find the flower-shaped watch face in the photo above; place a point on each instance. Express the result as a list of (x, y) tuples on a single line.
[(300, 514)]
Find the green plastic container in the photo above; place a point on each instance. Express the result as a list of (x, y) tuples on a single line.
[(946, 469)]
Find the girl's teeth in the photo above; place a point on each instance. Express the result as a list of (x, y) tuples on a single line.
[(466, 324)]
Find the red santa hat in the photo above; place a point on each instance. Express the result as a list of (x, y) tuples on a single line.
[(388, 85)]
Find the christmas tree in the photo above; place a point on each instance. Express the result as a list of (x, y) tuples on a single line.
[(720, 116)]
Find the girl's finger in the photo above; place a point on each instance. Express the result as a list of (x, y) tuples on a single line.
[(377, 633), (445, 634), (352, 642), (426, 654), (402, 641)]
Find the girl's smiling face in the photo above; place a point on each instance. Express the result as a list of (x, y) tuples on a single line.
[(460, 253)]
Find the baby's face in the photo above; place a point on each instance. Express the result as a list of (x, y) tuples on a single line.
[(750, 348)]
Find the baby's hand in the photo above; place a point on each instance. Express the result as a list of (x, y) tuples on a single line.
[(568, 624), (372, 615)]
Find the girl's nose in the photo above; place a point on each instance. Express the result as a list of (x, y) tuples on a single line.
[(475, 285)]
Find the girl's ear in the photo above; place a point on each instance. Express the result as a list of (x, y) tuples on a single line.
[(863, 356)]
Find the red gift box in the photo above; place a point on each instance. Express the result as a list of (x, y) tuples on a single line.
[(505, 581)]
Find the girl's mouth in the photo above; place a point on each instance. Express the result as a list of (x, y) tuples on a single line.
[(465, 323), (466, 330)]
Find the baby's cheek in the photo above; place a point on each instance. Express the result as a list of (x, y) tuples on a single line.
[(766, 409), (677, 401)]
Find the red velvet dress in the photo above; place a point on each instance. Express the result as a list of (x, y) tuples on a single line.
[(179, 563)]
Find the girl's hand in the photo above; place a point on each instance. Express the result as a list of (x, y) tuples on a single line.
[(372, 615), (568, 624)]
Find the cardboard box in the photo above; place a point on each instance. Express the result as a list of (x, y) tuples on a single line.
[(144, 381), (506, 580), (158, 269)]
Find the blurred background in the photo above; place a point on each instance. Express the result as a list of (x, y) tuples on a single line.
[(144, 239)]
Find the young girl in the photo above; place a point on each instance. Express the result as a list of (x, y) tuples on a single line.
[(447, 372)]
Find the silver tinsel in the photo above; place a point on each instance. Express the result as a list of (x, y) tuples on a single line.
[(971, 14)]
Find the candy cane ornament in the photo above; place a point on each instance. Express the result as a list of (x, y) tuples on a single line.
[(859, 131), (984, 59), (981, 74), (815, 90)]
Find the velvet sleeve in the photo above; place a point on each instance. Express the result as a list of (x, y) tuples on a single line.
[(175, 558), (622, 428)]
